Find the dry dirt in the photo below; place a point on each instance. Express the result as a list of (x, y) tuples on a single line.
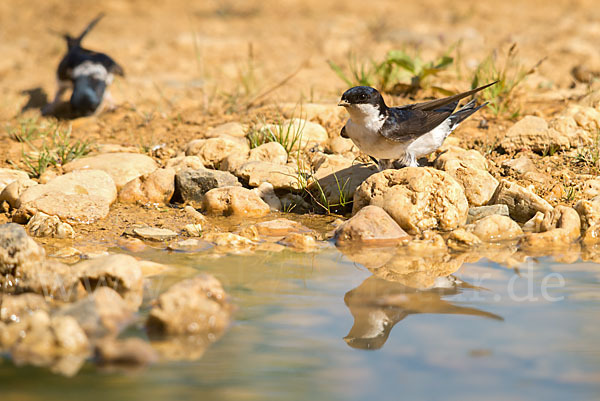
[(192, 65)]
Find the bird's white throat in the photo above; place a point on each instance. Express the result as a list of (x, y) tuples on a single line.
[(366, 115)]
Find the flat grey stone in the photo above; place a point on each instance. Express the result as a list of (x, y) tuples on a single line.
[(193, 184)]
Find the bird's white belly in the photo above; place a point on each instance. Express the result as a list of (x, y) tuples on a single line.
[(372, 143), (429, 142)]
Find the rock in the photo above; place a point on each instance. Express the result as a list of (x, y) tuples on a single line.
[(479, 212), (14, 308), (567, 127), (337, 179), (194, 184), (43, 225), (589, 213), (131, 351), (193, 230), (417, 198), (342, 146), (479, 185), (300, 242), (591, 188), (49, 278), (267, 194), (190, 245), (227, 240), (195, 215), (280, 176), (185, 163), (234, 201), (534, 225), (519, 166), (118, 272), (302, 134), (533, 133), (154, 233), (471, 158), (370, 226), (461, 239), (560, 227), (156, 187), (497, 228), (78, 197), (50, 341), (8, 176), (522, 203), (272, 152), (193, 306), (101, 313), (212, 151), (232, 129), (12, 192), (280, 228), (122, 167), (586, 117)]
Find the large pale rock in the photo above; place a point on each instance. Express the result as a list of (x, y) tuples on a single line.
[(533, 133), (479, 185), (272, 152), (255, 173), (232, 129), (193, 184), (156, 187), (560, 227), (370, 226), (79, 197), (417, 198), (185, 163), (212, 151), (497, 228), (522, 203), (471, 158), (8, 176), (121, 273), (568, 127), (193, 306), (122, 167), (234, 201)]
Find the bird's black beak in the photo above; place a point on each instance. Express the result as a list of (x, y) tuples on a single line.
[(344, 103)]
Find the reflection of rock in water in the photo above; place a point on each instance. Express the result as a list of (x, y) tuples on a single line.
[(377, 305)]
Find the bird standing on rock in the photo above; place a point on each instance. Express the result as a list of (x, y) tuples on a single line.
[(404, 133), (87, 72)]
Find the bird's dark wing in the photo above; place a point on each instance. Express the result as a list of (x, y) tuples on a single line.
[(78, 55), (404, 124), (437, 103), (413, 120)]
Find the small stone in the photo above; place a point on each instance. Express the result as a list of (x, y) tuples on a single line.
[(228, 240), (479, 185), (131, 244), (522, 203), (560, 227), (370, 226), (479, 212), (129, 352), (272, 152), (519, 166), (185, 163), (12, 192), (300, 242), (418, 199), (156, 187), (193, 306), (190, 245), (234, 201), (534, 225), (591, 188), (154, 233), (532, 132), (122, 167), (193, 230), (497, 228), (232, 129), (150, 268), (13, 308), (461, 239), (194, 184), (43, 225), (471, 158), (8, 176)]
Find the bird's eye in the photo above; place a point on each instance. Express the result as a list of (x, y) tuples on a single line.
[(363, 97)]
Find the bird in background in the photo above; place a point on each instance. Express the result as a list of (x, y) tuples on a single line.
[(88, 73), (403, 133)]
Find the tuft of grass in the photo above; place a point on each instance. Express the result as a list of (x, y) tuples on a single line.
[(57, 149), (509, 75), (589, 156), (398, 73), (550, 150), (27, 130), (570, 193), (288, 133)]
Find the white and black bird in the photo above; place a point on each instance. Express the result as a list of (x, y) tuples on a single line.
[(88, 73), (403, 133)]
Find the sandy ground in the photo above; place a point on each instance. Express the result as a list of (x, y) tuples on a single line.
[(192, 65)]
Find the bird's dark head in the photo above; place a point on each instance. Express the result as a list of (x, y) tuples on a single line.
[(361, 95)]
